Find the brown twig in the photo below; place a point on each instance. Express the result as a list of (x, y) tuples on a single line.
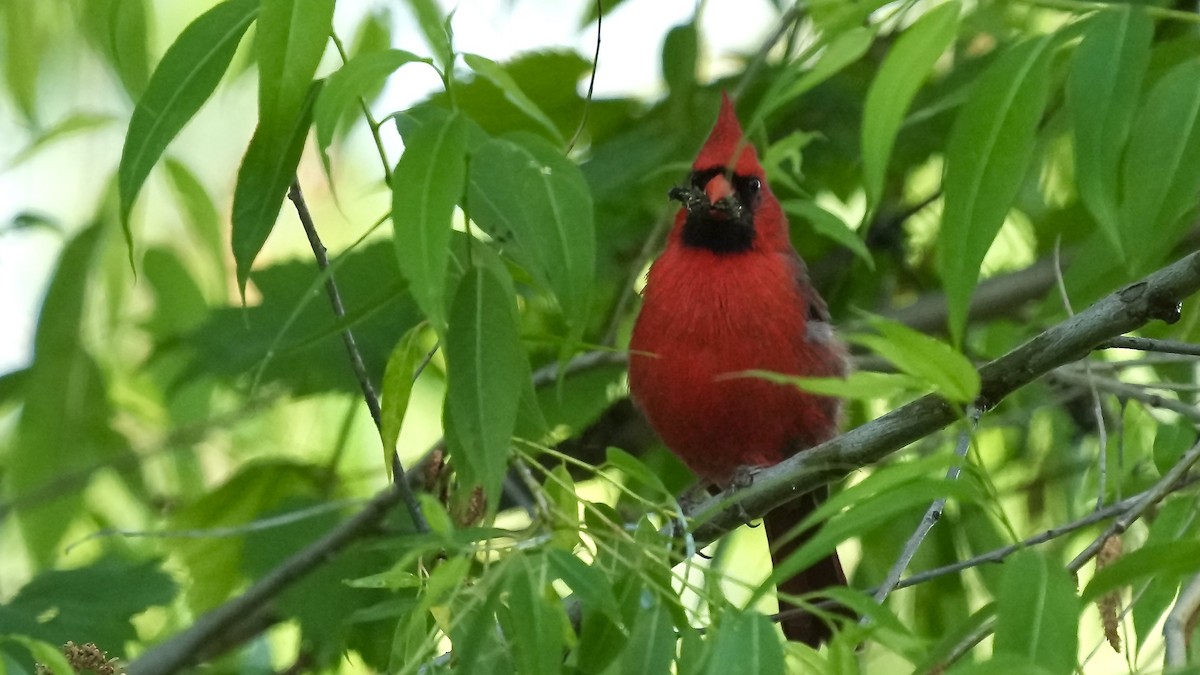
[(356, 362)]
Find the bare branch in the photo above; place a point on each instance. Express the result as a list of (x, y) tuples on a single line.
[(1142, 344), (931, 516), (356, 362)]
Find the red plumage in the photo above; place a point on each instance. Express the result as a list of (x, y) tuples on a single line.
[(730, 294)]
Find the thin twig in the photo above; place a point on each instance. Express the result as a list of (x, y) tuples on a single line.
[(1149, 498), (932, 515), (1175, 633), (371, 122), (1097, 407), (356, 362), (1142, 344), (1125, 390), (221, 532), (1132, 509), (999, 554), (587, 102)]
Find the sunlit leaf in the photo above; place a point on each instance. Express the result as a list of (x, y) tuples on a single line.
[(65, 419), (945, 369), (182, 82), (828, 225), (345, 88), (397, 387), (844, 49), (987, 156), (267, 171), (903, 71), (436, 29), (426, 185), (860, 385), (290, 41)]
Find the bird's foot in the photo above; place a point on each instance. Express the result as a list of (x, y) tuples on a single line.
[(742, 478)]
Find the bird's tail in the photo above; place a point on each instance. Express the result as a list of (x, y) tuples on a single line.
[(803, 627)]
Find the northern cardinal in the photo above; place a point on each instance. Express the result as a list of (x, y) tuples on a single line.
[(730, 294)]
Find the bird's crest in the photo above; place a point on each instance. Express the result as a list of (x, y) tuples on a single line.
[(726, 139)]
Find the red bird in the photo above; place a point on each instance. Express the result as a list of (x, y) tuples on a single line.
[(730, 294)]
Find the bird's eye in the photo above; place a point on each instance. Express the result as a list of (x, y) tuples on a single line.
[(753, 185)]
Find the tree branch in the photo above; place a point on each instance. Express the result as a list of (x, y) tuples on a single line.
[(1155, 297), (184, 648), (356, 362)]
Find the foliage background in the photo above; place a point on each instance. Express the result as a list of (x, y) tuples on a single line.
[(188, 418)]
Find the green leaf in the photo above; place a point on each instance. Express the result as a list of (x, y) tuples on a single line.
[(495, 73), (1000, 664), (182, 82), (986, 159), (945, 369), (45, 654), (97, 601), (397, 387), (745, 642), (1102, 91), (436, 29), (860, 385), (865, 516), (426, 185), (266, 173), (345, 88), (203, 217), (903, 71), (1162, 167), (843, 50), (178, 303), (633, 468), (1167, 558), (215, 563), (1037, 613), (290, 41), (486, 364), (533, 624), (25, 40), (584, 581), (829, 226), (1175, 521), (117, 28), (65, 419), (679, 53), (523, 189), (651, 646)]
